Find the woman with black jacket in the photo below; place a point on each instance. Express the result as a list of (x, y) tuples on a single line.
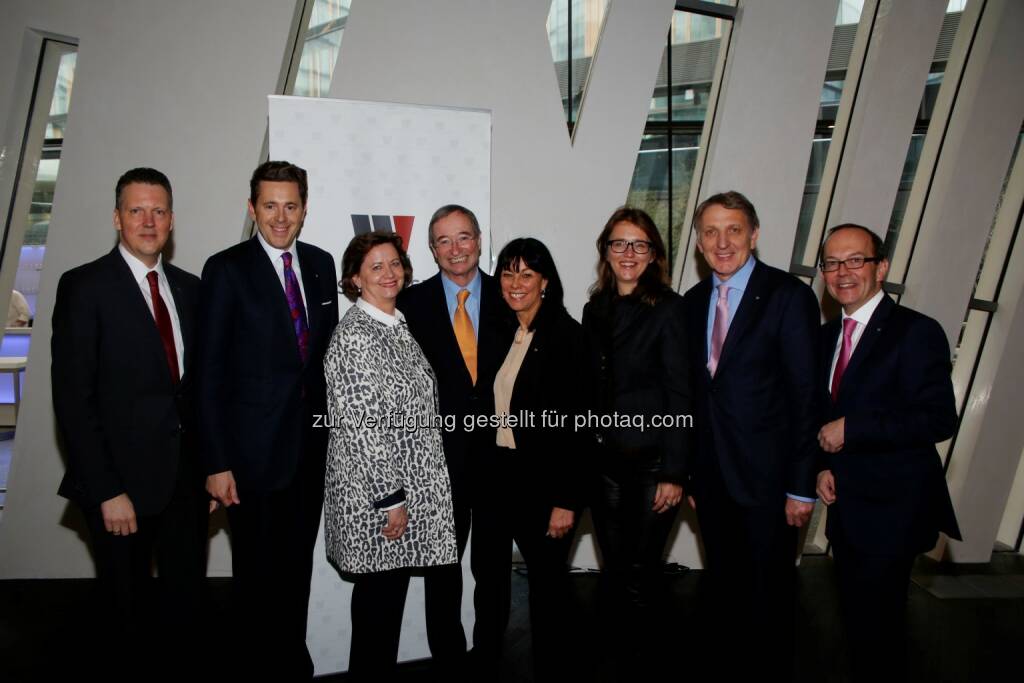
[(536, 481), (637, 346)]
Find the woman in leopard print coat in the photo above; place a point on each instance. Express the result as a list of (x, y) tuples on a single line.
[(387, 496)]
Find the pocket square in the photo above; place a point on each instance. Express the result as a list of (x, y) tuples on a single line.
[(325, 303)]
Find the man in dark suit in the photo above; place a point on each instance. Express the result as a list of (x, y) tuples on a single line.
[(754, 351), (123, 350), (887, 370), (269, 307), (455, 317)]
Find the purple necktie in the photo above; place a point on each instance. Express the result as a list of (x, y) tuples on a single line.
[(849, 325), (720, 328), (295, 307)]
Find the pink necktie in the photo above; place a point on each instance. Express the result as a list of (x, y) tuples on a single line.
[(849, 325), (720, 329)]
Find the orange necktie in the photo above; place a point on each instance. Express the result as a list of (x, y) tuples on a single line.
[(465, 335)]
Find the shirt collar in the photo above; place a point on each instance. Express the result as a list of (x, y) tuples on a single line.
[(138, 268), (863, 314), (273, 252), (379, 315), (451, 289), (739, 279)]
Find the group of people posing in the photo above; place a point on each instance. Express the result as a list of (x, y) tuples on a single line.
[(176, 395)]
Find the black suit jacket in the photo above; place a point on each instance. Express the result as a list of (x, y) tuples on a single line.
[(555, 380), (757, 419), (897, 397), (426, 313), (256, 396), (639, 363), (125, 425)]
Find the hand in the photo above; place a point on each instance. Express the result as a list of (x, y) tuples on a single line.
[(832, 435), (692, 502), (667, 496), (222, 488), (560, 523), (398, 518), (826, 487), (119, 515), (798, 512)]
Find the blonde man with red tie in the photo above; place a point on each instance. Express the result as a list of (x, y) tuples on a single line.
[(886, 369), (123, 351)]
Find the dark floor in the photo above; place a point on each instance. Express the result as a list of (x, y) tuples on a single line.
[(971, 633)]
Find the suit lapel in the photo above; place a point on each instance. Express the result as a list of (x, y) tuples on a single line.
[(868, 339), (311, 283), (747, 313), (184, 314), (266, 286), (128, 290)]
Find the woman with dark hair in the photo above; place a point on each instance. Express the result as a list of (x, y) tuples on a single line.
[(536, 471), (634, 327), (387, 497)]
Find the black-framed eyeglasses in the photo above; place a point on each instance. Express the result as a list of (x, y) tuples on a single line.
[(831, 265), (620, 246)]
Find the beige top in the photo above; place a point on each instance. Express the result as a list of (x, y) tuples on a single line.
[(505, 382)]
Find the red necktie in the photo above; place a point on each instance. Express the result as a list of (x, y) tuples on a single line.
[(163, 325), (849, 325)]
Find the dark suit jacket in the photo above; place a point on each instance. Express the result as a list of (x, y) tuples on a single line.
[(426, 312), (256, 397), (554, 377), (757, 419), (897, 398), (124, 424), (640, 368)]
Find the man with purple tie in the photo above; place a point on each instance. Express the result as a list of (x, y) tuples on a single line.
[(269, 306), (886, 369)]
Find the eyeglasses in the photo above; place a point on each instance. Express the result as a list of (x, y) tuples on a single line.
[(445, 243), (620, 246), (853, 263)]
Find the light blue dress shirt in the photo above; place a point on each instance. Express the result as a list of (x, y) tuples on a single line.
[(451, 297)]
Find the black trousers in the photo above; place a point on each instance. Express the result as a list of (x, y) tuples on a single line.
[(150, 618), (749, 590), (632, 540), (509, 512), (873, 598), (272, 539), (442, 591)]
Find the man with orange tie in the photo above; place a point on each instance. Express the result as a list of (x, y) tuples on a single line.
[(123, 350), (886, 369), (455, 317)]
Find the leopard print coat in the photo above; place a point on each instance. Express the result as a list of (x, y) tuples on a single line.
[(375, 369)]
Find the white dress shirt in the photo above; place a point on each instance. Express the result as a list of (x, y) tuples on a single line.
[(862, 315), (139, 271)]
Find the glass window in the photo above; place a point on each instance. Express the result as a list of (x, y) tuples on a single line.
[(847, 21), (667, 160), (574, 29), (32, 206), (320, 47), (950, 24)]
